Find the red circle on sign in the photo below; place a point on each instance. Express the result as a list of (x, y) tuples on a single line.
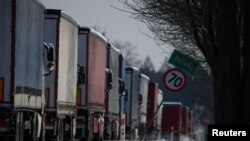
[(171, 71)]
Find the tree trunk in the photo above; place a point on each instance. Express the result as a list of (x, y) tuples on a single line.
[(246, 60), (227, 72)]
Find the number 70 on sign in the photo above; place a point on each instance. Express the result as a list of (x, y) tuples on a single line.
[(174, 79)]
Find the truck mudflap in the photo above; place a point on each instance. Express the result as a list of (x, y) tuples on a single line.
[(28, 126), (39, 125), (122, 129), (114, 129), (63, 129), (97, 127), (81, 132), (81, 128), (107, 128), (111, 127)]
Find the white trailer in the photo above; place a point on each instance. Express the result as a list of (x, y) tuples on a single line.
[(122, 92), (132, 102), (113, 102), (144, 81), (21, 68), (60, 85), (159, 114)]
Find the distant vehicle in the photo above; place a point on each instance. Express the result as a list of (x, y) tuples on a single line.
[(113, 100), (98, 82), (184, 120), (60, 85), (81, 95), (191, 124), (132, 103), (159, 114), (21, 69), (171, 121), (144, 82), (153, 92), (122, 92)]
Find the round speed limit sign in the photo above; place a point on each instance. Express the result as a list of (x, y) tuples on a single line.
[(174, 79)]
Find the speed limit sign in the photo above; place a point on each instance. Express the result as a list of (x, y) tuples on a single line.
[(174, 79)]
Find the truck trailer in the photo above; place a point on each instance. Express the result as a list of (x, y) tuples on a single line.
[(153, 90), (184, 120), (21, 69), (171, 121), (81, 96), (93, 93), (60, 85), (132, 105), (190, 129), (122, 92), (144, 82), (113, 100), (159, 114)]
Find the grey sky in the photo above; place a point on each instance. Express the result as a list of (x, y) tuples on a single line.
[(118, 25)]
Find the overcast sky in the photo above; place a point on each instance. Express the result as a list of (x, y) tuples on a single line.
[(118, 25)]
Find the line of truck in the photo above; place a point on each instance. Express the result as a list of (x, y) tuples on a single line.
[(62, 81)]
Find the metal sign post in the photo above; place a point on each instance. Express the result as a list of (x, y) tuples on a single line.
[(147, 128)]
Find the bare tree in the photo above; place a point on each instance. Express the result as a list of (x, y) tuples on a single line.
[(148, 64), (129, 52), (217, 29), (165, 66), (103, 32), (171, 22)]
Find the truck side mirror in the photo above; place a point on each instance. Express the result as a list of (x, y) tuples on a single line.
[(50, 54), (50, 57), (109, 79), (81, 75), (51, 66), (109, 76), (50, 51), (121, 86), (140, 99), (126, 95)]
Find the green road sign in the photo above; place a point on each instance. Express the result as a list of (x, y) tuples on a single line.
[(183, 62)]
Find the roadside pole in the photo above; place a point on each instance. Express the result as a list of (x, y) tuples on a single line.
[(147, 128)]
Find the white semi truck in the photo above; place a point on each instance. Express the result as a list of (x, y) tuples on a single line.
[(132, 103), (60, 86)]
